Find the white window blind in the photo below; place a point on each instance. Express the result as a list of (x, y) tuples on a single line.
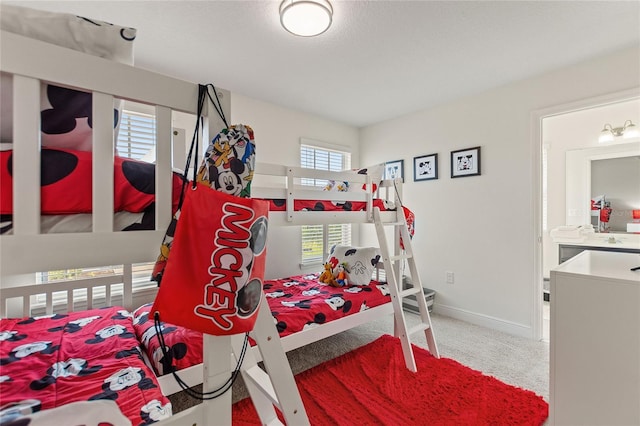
[(318, 239), (137, 135)]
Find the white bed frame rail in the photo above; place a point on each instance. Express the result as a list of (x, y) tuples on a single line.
[(273, 181), (112, 290), (27, 250)]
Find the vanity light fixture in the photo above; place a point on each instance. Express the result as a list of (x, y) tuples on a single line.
[(628, 130), (306, 18)]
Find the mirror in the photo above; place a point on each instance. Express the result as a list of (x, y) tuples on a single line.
[(609, 175)]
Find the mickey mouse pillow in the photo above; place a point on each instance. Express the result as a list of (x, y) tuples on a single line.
[(360, 262)]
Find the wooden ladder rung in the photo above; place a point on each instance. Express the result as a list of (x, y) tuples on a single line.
[(400, 257), (409, 292), (419, 327), (394, 223), (261, 380)]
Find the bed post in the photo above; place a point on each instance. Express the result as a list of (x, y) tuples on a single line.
[(26, 171)]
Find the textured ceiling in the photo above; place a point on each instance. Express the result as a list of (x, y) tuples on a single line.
[(379, 60)]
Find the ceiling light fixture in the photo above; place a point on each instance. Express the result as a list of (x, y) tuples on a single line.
[(628, 130), (306, 18)]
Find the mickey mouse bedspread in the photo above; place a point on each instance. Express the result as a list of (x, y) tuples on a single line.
[(82, 356), (296, 303), (65, 182)]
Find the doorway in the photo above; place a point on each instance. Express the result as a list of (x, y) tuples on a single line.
[(557, 130)]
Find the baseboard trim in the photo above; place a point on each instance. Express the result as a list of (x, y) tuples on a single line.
[(484, 320)]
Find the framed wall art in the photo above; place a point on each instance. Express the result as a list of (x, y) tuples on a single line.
[(394, 169), (465, 162), (425, 167)]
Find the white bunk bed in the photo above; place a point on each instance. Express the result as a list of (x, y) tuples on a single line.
[(283, 184), (27, 251)]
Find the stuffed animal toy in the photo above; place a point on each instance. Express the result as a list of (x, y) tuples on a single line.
[(326, 276), (341, 276)]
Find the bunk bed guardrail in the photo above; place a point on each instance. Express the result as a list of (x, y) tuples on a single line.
[(27, 250)]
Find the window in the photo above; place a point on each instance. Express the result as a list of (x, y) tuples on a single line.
[(318, 239), (141, 274), (137, 135), (136, 139)]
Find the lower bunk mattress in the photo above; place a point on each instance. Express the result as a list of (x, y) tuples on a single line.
[(297, 303), (89, 355)]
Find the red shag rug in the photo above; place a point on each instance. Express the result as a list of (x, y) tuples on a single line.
[(371, 385)]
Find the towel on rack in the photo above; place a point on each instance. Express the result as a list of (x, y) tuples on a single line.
[(566, 232)]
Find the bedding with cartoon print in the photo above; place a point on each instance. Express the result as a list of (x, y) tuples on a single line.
[(296, 303), (80, 356), (66, 191)]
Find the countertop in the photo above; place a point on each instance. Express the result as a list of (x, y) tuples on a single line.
[(603, 240), (604, 264)]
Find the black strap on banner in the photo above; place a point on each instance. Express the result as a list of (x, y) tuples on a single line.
[(203, 93), (195, 142), (193, 393), (216, 104)]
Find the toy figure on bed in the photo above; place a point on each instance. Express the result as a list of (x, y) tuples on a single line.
[(341, 275), (326, 277)]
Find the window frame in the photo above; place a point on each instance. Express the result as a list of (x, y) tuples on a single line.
[(328, 231)]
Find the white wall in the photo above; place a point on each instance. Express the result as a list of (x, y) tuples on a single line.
[(482, 228), (277, 133)]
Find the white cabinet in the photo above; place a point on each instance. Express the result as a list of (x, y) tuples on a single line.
[(595, 340)]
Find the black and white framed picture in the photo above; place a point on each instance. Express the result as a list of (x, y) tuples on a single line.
[(425, 167), (465, 162), (394, 169)]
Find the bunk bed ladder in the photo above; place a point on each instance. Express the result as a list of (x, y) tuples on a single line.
[(398, 292), (276, 387)]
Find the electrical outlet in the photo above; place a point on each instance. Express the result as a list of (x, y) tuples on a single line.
[(449, 277)]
